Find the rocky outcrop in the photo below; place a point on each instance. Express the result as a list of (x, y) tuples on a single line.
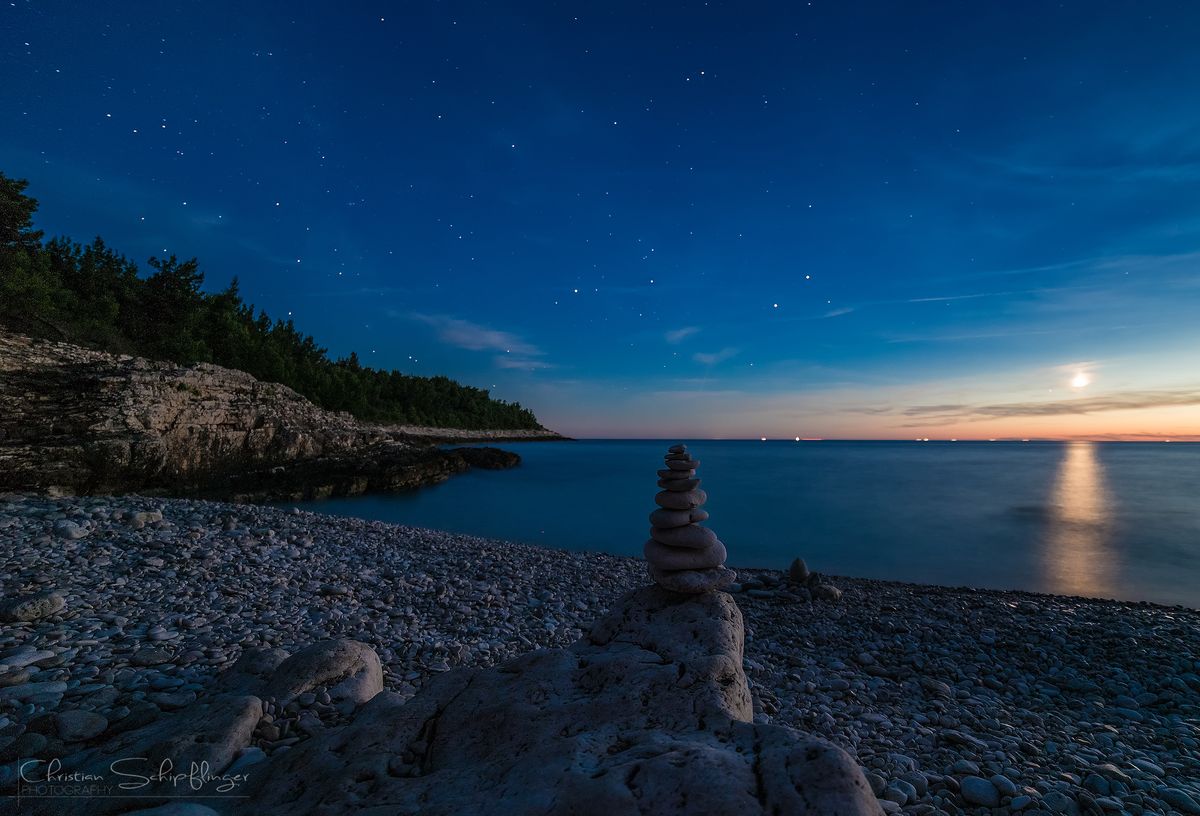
[(74, 420), (459, 435), (650, 713), (386, 467)]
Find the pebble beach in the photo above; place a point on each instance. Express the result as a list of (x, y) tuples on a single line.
[(119, 610)]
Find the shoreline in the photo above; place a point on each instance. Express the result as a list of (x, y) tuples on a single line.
[(913, 680), (421, 433)]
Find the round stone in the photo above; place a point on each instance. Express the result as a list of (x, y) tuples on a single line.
[(677, 449), (680, 501), (32, 607), (78, 725), (683, 464), (691, 537), (678, 558), (978, 791), (668, 475), (798, 571), (676, 457), (676, 518), (692, 582), (678, 485)]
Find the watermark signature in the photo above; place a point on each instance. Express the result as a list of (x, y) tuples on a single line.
[(126, 777)]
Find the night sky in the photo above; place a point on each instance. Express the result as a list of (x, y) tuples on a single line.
[(827, 219)]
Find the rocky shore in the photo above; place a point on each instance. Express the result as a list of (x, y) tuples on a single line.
[(79, 421), (122, 610), (426, 434)]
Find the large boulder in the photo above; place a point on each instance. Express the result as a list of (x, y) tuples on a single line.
[(351, 671), (649, 714)]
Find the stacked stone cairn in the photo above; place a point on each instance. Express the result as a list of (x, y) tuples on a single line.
[(684, 557)]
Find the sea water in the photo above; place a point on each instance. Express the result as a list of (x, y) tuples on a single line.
[(1110, 520)]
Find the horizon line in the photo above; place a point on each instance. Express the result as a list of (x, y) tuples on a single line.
[(1188, 439)]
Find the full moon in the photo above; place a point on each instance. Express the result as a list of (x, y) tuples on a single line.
[(1080, 380)]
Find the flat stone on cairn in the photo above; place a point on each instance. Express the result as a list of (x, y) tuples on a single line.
[(684, 557)]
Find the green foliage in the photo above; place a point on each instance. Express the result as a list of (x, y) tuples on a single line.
[(16, 215), (92, 294)]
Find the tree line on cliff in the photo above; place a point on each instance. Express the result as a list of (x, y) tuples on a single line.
[(91, 294)]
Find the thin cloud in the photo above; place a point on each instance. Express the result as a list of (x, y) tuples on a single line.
[(955, 338), (514, 363), (714, 357), (845, 310), (679, 335), (965, 297), (471, 336), (869, 410), (1120, 401), (1132, 168), (923, 410)]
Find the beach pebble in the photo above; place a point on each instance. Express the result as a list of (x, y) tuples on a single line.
[(676, 518), (665, 475), (26, 656), (682, 464), (69, 529), (679, 485), (686, 500), (78, 726), (681, 558), (826, 592), (1149, 767), (1003, 784), (1180, 800), (1058, 802), (691, 537), (14, 677), (150, 656), (798, 571), (32, 607), (28, 691), (692, 582), (979, 791)]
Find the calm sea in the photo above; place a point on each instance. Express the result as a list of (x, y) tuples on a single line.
[(1112, 520)]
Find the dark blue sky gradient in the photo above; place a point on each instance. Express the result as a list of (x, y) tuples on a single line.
[(954, 205)]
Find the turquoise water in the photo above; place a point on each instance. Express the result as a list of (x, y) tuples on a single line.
[(1115, 520)]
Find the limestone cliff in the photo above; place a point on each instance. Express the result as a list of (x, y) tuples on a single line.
[(74, 420)]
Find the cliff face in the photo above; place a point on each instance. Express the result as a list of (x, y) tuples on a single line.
[(73, 420)]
